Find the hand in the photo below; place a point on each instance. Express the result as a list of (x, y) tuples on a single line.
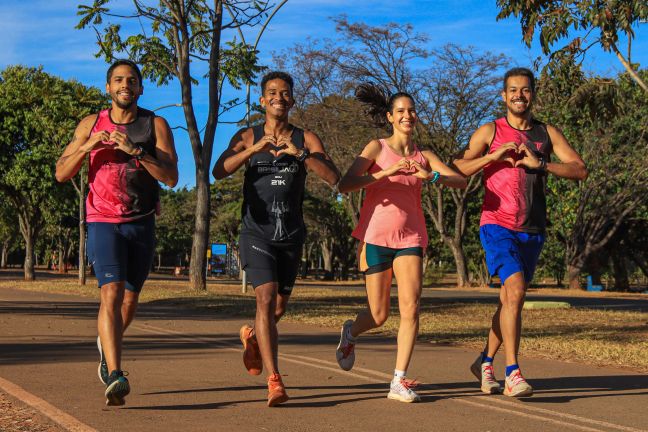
[(507, 152), (401, 165), (94, 140), (123, 142), (420, 171), (529, 159), (265, 144), (286, 146)]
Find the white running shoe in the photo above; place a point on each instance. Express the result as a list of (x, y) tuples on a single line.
[(516, 385), (484, 373), (400, 389), (345, 352)]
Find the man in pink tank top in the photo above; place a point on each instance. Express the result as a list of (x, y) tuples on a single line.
[(129, 151), (514, 153)]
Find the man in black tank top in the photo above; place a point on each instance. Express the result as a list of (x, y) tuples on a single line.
[(277, 155)]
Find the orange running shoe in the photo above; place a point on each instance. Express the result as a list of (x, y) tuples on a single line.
[(276, 390), (251, 353)]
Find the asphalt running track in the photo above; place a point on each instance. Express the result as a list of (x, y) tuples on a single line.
[(186, 374)]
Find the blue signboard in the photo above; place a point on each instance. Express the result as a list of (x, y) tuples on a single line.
[(218, 259)]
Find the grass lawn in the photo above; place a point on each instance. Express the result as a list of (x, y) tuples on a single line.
[(593, 336)]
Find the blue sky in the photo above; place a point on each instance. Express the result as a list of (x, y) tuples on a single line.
[(41, 32)]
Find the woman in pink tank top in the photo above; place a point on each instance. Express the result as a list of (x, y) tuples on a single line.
[(391, 230)]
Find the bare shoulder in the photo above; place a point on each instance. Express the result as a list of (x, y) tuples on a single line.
[(312, 141), (372, 149)]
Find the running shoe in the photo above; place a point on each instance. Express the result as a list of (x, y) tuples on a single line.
[(516, 385), (345, 353), (251, 354), (276, 390), (117, 388), (102, 370), (400, 389), (484, 373)]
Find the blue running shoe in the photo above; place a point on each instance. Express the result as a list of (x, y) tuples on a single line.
[(102, 371), (117, 388)]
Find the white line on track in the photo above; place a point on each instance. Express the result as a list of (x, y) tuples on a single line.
[(62, 418), (485, 402)]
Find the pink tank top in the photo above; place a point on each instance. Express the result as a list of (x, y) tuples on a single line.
[(391, 214)]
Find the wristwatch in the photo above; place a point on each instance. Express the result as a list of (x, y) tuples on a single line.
[(141, 153), (304, 154)]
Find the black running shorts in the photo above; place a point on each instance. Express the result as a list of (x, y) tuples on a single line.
[(266, 261)]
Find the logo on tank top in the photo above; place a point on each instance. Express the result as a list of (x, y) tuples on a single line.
[(279, 210)]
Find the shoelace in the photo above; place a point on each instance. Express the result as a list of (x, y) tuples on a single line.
[(516, 378), (347, 350), (489, 375), (275, 383), (409, 383)]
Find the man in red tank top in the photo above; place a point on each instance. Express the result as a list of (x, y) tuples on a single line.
[(514, 153), (129, 151)]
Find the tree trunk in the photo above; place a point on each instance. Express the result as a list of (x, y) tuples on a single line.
[(327, 256), (620, 269), (197, 268), (573, 276), (5, 254), (460, 262), (29, 256), (61, 259)]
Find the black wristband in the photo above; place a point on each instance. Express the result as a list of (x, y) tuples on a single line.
[(304, 155), (141, 153)]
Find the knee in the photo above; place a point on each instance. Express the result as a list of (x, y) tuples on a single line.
[(514, 298), (410, 312), (112, 296), (379, 317)]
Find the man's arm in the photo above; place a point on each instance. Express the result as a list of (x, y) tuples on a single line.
[(571, 165), (239, 151), (82, 143), (164, 166), (318, 161), (472, 159)]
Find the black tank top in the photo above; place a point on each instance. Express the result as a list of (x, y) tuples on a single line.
[(273, 192)]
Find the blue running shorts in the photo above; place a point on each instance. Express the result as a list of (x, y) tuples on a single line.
[(509, 252), (122, 251)]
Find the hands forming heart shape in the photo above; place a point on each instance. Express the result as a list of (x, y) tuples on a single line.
[(518, 155)]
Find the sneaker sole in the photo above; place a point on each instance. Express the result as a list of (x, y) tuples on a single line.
[(101, 360), (523, 393), (338, 353), (278, 400), (116, 392), (252, 369), (399, 398)]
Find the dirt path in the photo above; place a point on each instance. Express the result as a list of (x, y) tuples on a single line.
[(186, 374)]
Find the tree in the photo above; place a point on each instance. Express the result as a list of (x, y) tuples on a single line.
[(176, 35), (605, 120), (554, 19), (8, 230), (38, 112), (174, 225)]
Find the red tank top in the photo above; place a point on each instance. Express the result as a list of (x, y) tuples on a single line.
[(120, 188), (515, 197)]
